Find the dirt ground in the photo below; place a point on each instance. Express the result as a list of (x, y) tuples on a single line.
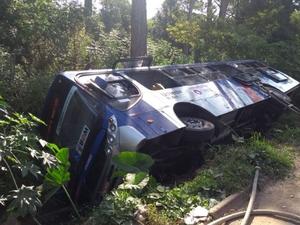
[(282, 195)]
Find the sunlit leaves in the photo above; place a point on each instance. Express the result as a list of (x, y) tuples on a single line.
[(133, 162), (135, 181), (164, 53), (63, 157), (53, 147), (36, 119), (185, 32), (59, 174)]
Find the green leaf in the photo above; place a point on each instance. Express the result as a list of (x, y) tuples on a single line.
[(3, 104), (135, 181), (29, 167), (24, 200), (57, 176), (63, 156), (11, 119), (138, 178), (53, 147), (133, 162), (36, 119), (161, 188), (119, 173), (4, 123)]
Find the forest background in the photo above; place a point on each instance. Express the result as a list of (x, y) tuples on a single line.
[(39, 38)]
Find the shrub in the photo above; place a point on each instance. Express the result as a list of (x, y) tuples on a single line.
[(27, 164), (164, 53)]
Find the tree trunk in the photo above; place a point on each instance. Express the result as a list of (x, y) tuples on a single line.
[(209, 10), (197, 55), (190, 9), (223, 8), (88, 8), (138, 28), (88, 11)]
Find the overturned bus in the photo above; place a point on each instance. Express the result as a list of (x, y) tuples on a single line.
[(156, 110)]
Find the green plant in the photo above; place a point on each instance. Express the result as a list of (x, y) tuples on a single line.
[(164, 53), (119, 206), (236, 165), (176, 202), (57, 176), (171, 203), (135, 163), (275, 161), (26, 162), (3, 104), (19, 153), (156, 217)]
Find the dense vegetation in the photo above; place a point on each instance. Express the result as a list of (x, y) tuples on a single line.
[(42, 37), (31, 170)]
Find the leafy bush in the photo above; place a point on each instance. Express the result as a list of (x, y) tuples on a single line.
[(164, 53), (117, 208), (27, 164), (111, 46)]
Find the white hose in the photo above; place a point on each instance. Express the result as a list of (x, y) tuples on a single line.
[(262, 212), (252, 197)]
